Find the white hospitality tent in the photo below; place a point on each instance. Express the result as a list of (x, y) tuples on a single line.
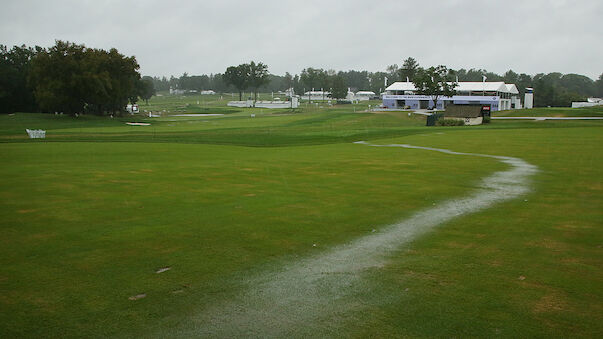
[(462, 87)]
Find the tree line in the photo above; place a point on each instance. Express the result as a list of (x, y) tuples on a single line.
[(552, 89), (72, 78), (69, 78)]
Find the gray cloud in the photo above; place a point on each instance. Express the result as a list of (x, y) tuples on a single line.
[(206, 37)]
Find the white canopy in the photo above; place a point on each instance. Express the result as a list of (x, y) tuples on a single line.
[(464, 86), (511, 88)]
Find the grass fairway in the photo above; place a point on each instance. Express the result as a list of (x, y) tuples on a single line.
[(595, 111), (90, 213)]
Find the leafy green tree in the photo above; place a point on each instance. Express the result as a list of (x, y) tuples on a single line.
[(124, 76), (435, 82), (310, 78), (146, 88), (238, 76), (393, 72), (195, 82), (161, 84), (579, 84), (357, 80), (510, 77), (15, 93), (56, 76), (492, 76), (288, 80), (410, 68), (73, 79), (219, 84), (523, 81), (551, 90), (324, 81), (377, 81), (340, 88), (471, 74), (258, 76)]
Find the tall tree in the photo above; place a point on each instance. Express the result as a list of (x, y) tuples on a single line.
[(15, 93), (258, 76), (579, 84), (146, 88), (471, 74), (288, 81), (377, 81), (357, 80), (324, 80), (340, 88), (238, 76), (393, 72), (72, 78), (56, 76), (523, 81), (309, 78), (435, 82), (510, 77), (409, 69)]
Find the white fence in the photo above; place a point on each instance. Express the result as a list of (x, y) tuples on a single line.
[(585, 104), (294, 103), (248, 103), (36, 133)]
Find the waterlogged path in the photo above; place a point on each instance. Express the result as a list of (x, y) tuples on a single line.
[(309, 296)]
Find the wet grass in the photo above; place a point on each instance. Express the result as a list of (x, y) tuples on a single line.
[(89, 214), (526, 268), (595, 111)]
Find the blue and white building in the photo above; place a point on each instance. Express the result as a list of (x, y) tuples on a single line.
[(497, 95)]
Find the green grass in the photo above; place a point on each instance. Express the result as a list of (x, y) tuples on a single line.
[(552, 238), (90, 213), (596, 111)]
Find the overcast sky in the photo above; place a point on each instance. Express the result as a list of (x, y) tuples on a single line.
[(202, 37)]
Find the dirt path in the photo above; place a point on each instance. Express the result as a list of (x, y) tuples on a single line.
[(308, 297)]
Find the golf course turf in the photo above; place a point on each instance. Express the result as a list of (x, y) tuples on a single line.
[(92, 212)]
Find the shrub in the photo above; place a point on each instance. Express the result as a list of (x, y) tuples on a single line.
[(486, 120)]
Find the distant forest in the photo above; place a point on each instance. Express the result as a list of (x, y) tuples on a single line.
[(552, 89), (73, 78)]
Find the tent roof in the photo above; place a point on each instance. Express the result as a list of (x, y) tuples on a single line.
[(511, 88), (401, 86), (464, 86)]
